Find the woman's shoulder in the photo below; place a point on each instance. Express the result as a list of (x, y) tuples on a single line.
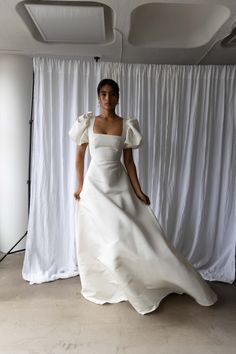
[(79, 129), (85, 116), (132, 123), (127, 118), (131, 120), (133, 136)]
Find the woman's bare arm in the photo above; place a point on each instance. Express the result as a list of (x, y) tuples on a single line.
[(79, 166), (132, 173)]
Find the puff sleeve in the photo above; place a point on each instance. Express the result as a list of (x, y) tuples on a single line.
[(133, 136), (79, 130)]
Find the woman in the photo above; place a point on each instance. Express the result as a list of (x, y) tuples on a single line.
[(123, 253)]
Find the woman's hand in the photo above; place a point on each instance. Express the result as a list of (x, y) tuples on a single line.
[(144, 198), (77, 193)]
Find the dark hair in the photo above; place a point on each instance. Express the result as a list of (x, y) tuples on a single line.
[(109, 82)]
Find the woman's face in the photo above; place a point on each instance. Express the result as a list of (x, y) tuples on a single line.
[(108, 98)]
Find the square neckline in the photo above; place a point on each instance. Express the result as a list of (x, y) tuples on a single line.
[(119, 136)]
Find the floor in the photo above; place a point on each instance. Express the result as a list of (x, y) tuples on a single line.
[(53, 318)]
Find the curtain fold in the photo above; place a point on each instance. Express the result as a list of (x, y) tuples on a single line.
[(187, 164)]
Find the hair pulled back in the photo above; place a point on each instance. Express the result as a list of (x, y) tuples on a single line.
[(109, 82)]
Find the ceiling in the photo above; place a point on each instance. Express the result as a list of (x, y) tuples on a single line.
[(138, 31)]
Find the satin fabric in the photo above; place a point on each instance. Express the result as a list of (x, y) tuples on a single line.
[(123, 253)]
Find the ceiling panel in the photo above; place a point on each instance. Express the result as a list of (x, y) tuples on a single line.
[(66, 23), (180, 25)]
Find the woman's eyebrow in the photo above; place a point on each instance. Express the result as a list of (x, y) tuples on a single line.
[(104, 91)]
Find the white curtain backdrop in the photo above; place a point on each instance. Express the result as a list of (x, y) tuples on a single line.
[(187, 164)]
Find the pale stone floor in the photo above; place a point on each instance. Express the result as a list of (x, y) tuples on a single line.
[(54, 318)]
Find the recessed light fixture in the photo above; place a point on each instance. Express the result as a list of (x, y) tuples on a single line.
[(78, 22)]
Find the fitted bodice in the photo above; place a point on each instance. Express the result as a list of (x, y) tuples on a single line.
[(105, 147)]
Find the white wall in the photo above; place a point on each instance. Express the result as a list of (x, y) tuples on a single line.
[(16, 78)]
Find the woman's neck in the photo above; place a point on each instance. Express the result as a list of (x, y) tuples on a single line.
[(108, 114)]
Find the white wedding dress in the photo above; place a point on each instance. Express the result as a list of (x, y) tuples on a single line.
[(123, 253)]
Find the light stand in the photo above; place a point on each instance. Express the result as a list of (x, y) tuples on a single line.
[(29, 176)]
